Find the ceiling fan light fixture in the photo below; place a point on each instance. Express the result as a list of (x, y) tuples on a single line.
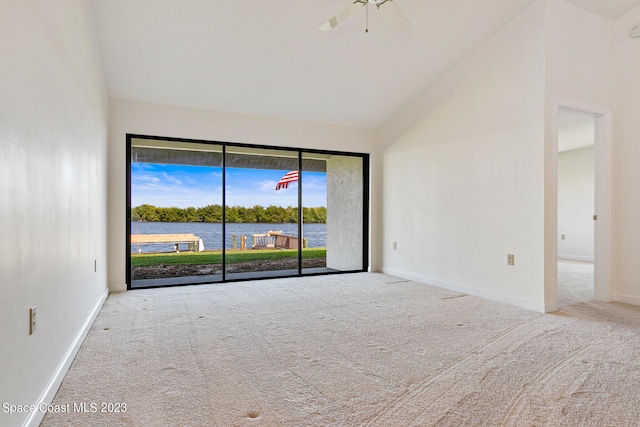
[(353, 8), (378, 3)]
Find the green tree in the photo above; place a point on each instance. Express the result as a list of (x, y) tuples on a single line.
[(191, 215), (234, 214), (145, 213), (172, 214), (231, 214), (246, 215), (260, 214), (210, 213), (291, 215)]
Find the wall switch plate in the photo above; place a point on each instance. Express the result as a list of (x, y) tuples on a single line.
[(563, 237), (395, 245), (32, 320), (511, 259), (95, 265)]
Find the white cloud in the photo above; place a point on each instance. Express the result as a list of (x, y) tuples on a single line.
[(146, 178), (267, 185), (171, 179)]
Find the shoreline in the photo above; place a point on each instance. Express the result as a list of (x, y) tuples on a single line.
[(162, 271)]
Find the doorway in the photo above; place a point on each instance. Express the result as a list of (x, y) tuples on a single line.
[(582, 251), (576, 205)]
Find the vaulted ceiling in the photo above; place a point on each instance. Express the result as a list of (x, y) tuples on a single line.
[(267, 58)]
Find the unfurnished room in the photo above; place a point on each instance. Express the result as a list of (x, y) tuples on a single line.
[(319, 213)]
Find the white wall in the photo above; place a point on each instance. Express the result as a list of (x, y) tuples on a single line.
[(169, 121), (470, 170), (626, 155), (576, 204), (53, 123), (463, 172), (579, 55), (579, 70)]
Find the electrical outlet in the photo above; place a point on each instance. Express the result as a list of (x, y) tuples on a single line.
[(511, 259), (395, 245), (32, 320)]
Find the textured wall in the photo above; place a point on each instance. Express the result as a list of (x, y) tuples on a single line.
[(344, 213)]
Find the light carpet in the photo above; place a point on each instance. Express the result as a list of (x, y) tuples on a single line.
[(352, 350), (575, 282)]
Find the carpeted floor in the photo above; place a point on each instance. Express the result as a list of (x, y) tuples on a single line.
[(352, 350), (575, 282)]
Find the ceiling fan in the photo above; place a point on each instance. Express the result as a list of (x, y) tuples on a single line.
[(391, 12)]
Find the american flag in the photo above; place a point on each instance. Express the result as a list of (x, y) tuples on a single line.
[(289, 177)]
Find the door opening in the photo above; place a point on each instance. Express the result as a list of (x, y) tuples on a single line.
[(576, 207)]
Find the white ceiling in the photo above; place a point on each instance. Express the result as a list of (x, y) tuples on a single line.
[(267, 58), (575, 130), (613, 9)]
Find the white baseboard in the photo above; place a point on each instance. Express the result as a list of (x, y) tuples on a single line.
[(576, 258), (482, 293), (627, 299), (35, 418), (550, 308)]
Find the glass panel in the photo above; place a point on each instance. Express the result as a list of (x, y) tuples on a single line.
[(314, 213), (261, 236), (176, 213)]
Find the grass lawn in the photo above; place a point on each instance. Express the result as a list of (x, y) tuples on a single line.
[(215, 257)]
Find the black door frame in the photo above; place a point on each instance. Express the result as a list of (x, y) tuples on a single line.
[(224, 145)]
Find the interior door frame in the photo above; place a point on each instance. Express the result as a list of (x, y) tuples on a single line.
[(603, 202)]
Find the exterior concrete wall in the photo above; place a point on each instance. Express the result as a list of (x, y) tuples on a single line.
[(344, 213)]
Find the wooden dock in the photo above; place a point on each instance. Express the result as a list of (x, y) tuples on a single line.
[(275, 240), (192, 241)]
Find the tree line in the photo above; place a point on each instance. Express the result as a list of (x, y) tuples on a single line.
[(234, 214)]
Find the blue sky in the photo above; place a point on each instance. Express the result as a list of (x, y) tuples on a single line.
[(197, 186)]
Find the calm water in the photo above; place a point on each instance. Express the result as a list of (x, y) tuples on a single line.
[(211, 233)]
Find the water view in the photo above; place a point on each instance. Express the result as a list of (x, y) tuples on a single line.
[(181, 191), (211, 234)]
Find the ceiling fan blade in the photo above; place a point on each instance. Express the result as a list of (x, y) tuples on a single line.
[(392, 14), (341, 16)]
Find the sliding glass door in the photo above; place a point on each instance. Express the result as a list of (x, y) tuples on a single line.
[(261, 213), (175, 213), (314, 213), (206, 212)]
